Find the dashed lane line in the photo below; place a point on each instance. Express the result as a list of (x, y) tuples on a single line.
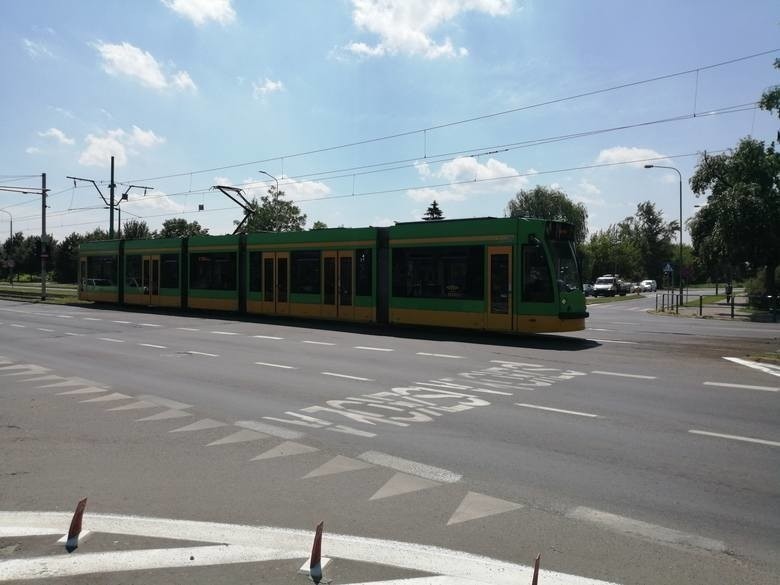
[(273, 337), (318, 342), (622, 323), (614, 341), (521, 364), (603, 330), (188, 329), (203, 353), (358, 378), (81, 334), (149, 325), (440, 355), (411, 467), (111, 339), (122, 322), (153, 346), (735, 438), (550, 409), (92, 318), (65, 316), (743, 386), (276, 366), (18, 325), (224, 333), (364, 347), (638, 376)]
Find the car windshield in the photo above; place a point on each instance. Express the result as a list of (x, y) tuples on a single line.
[(604, 280), (566, 269)]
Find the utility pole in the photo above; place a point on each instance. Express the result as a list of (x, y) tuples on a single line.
[(44, 237), (111, 187)]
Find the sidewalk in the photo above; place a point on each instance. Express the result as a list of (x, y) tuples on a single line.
[(718, 310)]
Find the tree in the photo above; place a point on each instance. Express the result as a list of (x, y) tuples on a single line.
[(66, 258), (273, 214), (319, 225), (743, 206), (652, 238), (770, 100), (548, 203), (433, 213), (136, 229), (178, 227)]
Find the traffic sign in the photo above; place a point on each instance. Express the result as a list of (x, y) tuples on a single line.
[(668, 267)]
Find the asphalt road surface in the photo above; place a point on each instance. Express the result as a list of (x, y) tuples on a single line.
[(631, 452)]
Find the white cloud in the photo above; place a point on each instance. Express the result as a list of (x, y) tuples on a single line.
[(57, 134), (32, 150), (128, 60), (586, 192), (467, 168), (626, 154), (588, 188), (36, 50), (382, 222), (260, 90), (153, 200), (63, 111), (405, 26), (202, 11), (117, 143), (223, 181), (293, 190)]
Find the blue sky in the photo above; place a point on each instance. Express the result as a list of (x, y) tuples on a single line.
[(188, 87)]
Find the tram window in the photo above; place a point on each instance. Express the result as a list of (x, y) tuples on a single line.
[(363, 273), (133, 271), (102, 268), (254, 271), (537, 284), (268, 280), (169, 271), (305, 272), (213, 271), (442, 272)]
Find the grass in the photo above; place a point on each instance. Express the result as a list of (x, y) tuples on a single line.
[(601, 300), (707, 300), (768, 358)]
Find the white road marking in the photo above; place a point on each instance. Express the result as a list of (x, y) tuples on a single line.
[(267, 337), (92, 318), (152, 346), (402, 483), (149, 325), (260, 427), (339, 464), (372, 348), (614, 341), (318, 342), (75, 334), (522, 364), (19, 326), (596, 329), (276, 366), (139, 405), (744, 386), (166, 415), (441, 355), (286, 449), (110, 397), (547, 408), (603, 373), (187, 329), (346, 376), (459, 568), (654, 532), (736, 438), (201, 425), (202, 353), (766, 368), (111, 339), (241, 436), (65, 316), (122, 322), (224, 333), (622, 323), (411, 467), (476, 505), (87, 390), (45, 330)]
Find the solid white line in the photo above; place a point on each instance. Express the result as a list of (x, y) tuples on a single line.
[(623, 375), (224, 333), (523, 364), (614, 341), (574, 412), (267, 337), (276, 366), (187, 329), (19, 326), (441, 355), (202, 353), (111, 339), (745, 386), (411, 467), (152, 345), (149, 325), (318, 342), (122, 322), (736, 438), (347, 377), (46, 330), (371, 348), (766, 368)]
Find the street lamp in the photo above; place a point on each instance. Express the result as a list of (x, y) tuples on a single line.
[(681, 222), (274, 178), (11, 217)]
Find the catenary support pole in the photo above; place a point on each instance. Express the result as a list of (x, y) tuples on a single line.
[(111, 187), (44, 237)]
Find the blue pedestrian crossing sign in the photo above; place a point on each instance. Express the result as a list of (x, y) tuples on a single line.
[(668, 267)]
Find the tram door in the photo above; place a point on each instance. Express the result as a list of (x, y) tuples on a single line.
[(151, 279), (338, 284), (276, 280), (499, 316)]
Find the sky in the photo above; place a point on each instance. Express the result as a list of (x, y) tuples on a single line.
[(365, 111)]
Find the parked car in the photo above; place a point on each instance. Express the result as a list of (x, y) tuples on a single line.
[(649, 286), (636, 287), (609, 286)]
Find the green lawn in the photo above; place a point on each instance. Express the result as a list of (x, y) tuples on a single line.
[(707, 300), (600, 300)]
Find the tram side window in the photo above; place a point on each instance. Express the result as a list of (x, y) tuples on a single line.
[(255, 271), (442, 272), (305, 272), (169, 271), (101, 270), (537, 284), (133, 271), (363, 273), (213, 271)]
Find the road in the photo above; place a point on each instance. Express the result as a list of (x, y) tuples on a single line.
[(631, 452)]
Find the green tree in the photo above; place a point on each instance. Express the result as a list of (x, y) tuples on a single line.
[(273, 214), (178, 227), (743, 206), (66, 258), (548, 203), (136, 229), (652, 237), (770, 100), (319, 225), (433, 213)]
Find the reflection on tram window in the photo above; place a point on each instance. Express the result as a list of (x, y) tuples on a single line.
[(441, 272), (305, 272), (213, 271), (101, 270), (169, 271)]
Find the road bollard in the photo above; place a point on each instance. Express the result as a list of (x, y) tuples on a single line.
[(701, 304), (732, 306)]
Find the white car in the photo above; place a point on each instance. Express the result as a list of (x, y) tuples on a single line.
[(649, 286)]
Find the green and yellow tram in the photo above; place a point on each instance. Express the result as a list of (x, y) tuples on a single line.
[(496, 274)]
